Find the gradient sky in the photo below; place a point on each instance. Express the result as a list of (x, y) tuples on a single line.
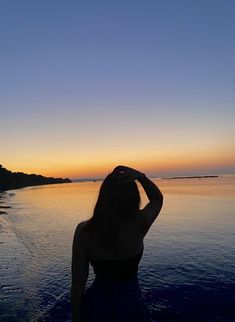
[(87, 85)]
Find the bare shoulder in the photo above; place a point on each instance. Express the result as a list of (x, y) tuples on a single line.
[(148, 214), (80, 229), (81, 226)]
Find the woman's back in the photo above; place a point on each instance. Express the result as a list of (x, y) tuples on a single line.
[(129, 241), (112, 242)]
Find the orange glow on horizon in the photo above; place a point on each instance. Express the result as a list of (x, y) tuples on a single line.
[(154, 163)]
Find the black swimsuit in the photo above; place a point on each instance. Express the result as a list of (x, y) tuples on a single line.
[(115, 294), (117, 270)]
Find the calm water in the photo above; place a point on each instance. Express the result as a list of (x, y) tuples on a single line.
[(187, 271)]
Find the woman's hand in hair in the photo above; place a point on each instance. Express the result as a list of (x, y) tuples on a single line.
[(126, 174)]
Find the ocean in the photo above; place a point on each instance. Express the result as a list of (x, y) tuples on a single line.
[(187, 271)]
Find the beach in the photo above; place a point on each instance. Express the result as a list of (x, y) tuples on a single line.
[(187, 272), (11, 263)]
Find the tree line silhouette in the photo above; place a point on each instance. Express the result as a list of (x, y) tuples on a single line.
[(15, 180)]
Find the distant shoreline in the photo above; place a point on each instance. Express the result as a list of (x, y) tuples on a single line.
[(17, 180), (81, 180), (190, 177)]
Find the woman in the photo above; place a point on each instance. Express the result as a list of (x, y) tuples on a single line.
[(112, 242)]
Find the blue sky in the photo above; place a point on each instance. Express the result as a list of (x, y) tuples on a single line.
[(120, 78)]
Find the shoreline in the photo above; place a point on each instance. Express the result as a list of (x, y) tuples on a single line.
[(22, 273), (30, 186), (17, 180), (190, 177), (13, 254)]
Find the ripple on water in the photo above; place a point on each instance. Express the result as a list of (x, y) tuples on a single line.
[(187, 272)]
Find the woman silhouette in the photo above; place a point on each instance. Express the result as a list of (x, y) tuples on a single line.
[(112, 242)]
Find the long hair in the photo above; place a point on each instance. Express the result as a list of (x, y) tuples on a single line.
[(116, 201)]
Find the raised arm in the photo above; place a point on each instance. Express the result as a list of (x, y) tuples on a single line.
[(80, 271), (152, 209), (152, 191)]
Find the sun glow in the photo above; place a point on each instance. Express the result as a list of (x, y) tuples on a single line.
[(155, 163)]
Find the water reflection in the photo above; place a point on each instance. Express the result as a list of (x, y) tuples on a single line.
[(189, 256)]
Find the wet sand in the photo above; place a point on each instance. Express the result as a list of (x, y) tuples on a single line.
[(3, 212), (11, 259), (12, 255)]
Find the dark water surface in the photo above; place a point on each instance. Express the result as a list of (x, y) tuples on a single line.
[(187, 271)]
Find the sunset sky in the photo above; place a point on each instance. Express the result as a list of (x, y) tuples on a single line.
[(87, 85)]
